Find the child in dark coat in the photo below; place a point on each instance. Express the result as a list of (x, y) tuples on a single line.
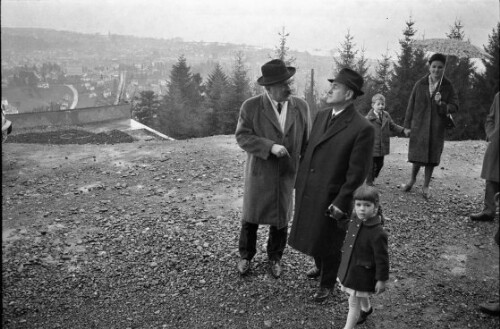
[(364, 268), (384, 128)]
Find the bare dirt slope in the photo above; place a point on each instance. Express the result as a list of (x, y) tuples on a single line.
[(144, 235)]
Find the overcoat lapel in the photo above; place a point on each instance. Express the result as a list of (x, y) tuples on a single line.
[(269, 112), (339, 125), (319, 127), (291, 116), (384, 119)]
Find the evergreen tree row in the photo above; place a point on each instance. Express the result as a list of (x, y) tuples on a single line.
[(476, 90), (192, 108)]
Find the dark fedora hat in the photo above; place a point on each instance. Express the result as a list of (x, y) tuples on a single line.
[(275, 71), (352, 79)]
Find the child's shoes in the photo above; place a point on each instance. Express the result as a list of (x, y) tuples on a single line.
[(363, 315)]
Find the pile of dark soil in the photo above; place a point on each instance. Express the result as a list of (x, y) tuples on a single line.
[(71, 136)]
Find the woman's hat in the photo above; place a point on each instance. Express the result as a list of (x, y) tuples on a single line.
[(275, 71), (352, 79)]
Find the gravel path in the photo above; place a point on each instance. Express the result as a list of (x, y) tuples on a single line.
[(144, 234)]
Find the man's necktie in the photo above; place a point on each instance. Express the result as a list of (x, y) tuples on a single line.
[(333, 117), (279, 108)]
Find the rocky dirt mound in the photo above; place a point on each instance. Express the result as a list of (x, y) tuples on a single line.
[(144, 235)]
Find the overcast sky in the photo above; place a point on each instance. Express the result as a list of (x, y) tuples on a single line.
[(312, 24)]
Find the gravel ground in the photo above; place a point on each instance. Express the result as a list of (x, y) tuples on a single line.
[(144, 235)]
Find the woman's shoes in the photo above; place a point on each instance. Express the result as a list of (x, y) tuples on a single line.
[(425, 190), (407, 187), (425, 193)]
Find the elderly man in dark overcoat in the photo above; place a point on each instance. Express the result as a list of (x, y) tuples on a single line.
[(490, 169), (273, 129), (335, 163), (490, 172)]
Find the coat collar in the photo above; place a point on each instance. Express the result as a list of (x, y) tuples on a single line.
[(340, 124), (370, 222), (271, 115), (373, 117)]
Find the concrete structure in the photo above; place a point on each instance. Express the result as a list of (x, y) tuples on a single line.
[(95, 119), (75, 117)]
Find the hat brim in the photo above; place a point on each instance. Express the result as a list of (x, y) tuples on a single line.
[(266, 81), (357, 91)]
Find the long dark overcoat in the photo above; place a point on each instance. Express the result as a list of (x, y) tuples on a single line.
[(425, 119), (269, 180), (490, 162), (336, 162), (365, 255), (383, 131)]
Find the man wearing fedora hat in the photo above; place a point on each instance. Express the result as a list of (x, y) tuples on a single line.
[(272, 128), (335, 163)]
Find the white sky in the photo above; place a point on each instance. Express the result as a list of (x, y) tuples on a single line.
[(312, 24)]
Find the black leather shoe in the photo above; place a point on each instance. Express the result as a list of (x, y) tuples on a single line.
[(482, 217), (243, 266), (321, 294), (275, 268), (363, 315), (313, 272), (491, 308)]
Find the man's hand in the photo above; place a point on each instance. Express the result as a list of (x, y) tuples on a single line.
[(279, 150), (437, 98), (335, 212), (407, 132)]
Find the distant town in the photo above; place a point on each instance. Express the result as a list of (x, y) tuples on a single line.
[(47, 70)]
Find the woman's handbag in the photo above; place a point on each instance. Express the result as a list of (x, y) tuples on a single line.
[(449, 123)]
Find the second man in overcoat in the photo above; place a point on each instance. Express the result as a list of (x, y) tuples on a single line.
[(336, 162)]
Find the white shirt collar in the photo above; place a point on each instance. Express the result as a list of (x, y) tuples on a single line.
[(275, 103), (335, 113)]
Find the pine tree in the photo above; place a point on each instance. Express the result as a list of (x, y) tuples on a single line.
[(361, 66), (460, 72), (492, 69), (383, 74), (216, 98), (347, 54), (146, 108), (409, 68), (239, 92), (182, 116), (282, 51), (486, 84)]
